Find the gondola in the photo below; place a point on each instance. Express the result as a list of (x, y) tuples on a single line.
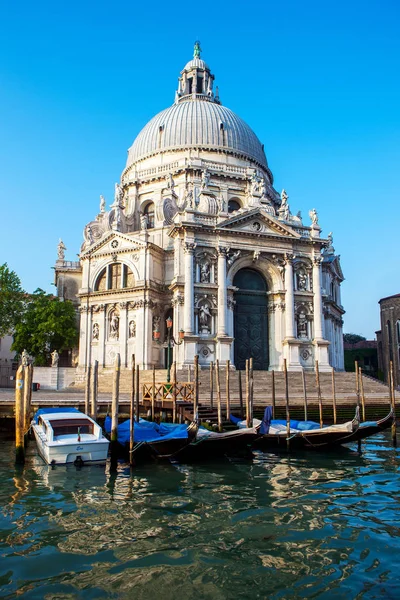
[(211, 445), (308, 435), (153, 440)]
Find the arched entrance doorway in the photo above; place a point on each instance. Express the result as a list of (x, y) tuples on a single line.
[(251, 320)]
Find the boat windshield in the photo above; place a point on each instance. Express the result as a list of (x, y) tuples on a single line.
[(68, 426)]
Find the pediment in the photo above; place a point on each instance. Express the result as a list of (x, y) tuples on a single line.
[(259, 222), (334, 265), (113, 241)]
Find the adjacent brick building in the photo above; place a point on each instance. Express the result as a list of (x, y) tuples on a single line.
[(389, 337)]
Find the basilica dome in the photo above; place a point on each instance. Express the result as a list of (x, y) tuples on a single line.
[(197, 120)]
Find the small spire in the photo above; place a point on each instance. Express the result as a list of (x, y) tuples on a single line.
[(197, 49)]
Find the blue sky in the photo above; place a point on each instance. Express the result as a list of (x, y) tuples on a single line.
[(317, 81)]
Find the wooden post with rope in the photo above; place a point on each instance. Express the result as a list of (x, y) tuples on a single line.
[(247, 394), (114, 409), (358, 397), (87, 389), (137, 405), (211, 385), (251, 390), (196, 387), (334, 397), (153, 395), (273, 391), (94, 390), (240, 394), (393, 394), (28, 376), (321, 420), (19, 416), (228, 397), (362, 394), (132, 413), (174, 392), (219, 408), (287, 405), (303, 376)]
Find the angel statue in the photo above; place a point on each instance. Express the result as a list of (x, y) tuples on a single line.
[(102, 204), (61, 248)]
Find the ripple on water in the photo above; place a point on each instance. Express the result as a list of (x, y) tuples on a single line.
[(299, 526)]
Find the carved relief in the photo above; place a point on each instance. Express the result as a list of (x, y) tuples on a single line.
[(95, 331), (132, 329), (113, 332)]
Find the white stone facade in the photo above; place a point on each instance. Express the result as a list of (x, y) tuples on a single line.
[(194, 214)]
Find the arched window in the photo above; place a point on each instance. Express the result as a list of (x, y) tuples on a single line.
[(114, 277), (233, 205), (149, 213)]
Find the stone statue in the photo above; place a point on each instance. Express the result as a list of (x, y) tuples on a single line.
[(284, 210), (221, 204), (61, 248), (170, 181), (255, 184), (313, 216), (96, 331), (89, 234), (233, 257), (24, 358), (143, 221), (264, 188), (54, 358), (197, 50), (301, 281), (102, 204), (132, 329), (205, 179), (114, 326), (330, 239), (118, 193), (204, 316), (302, 326), (205, 273)]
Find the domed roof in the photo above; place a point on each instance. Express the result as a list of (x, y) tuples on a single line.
[(197, 124), (197, 120)]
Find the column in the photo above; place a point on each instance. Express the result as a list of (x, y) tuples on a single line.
[(83, 336), (317, 298), (222, 292), (188, 315), (103, 336), (289, 296)]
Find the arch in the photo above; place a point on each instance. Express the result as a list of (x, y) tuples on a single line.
[(114, 276), (234, 204), (251, 319), (268, 270), (148, 209)]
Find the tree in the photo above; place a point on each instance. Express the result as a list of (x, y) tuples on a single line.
[(47, 324), (11, 300), (353, 338)]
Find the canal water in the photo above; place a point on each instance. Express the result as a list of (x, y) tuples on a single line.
[(304, 526)]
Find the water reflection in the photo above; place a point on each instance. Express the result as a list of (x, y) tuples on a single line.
[(278, 526)]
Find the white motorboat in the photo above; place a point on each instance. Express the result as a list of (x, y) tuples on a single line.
[(65, 435)]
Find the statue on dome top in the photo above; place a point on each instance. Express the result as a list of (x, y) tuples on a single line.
[(284, 211), (102, 204), (197, 49), (118, 194)]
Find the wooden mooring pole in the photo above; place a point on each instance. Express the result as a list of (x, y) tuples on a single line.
[(28, 376), (287, 405), (251, 390), (174, 392), (132, 414), (303, 376), (362, 394), (114, 409), (240, 394), (358, 396), (211, 385), (273, 394), (94, 390), (334, 397), (247, 394), (321, 420), (196, 388), (153, 395), (393, 395), (87, 389), (137, 405), (219, 408), (228, 397), (19, 416)]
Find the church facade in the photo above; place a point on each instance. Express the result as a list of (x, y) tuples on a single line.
[(197, 233)]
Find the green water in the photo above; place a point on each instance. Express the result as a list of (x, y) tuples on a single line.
[(308, 526)]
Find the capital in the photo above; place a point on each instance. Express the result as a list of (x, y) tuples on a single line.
[(223, 251), (317, 261), (289, 258), (189, 247)]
